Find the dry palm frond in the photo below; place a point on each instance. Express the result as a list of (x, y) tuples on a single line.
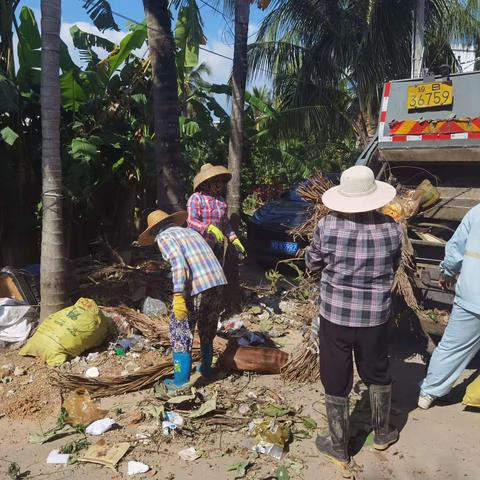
[(103, 387), (302, 366), (154, 328), (312, 192), (143, 378)]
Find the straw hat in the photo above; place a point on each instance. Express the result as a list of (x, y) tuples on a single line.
[(209, 171), (156, 217), (358, 192)]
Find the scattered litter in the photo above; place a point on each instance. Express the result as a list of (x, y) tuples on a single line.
[(135, 343), (168, 427), (16, 320), (267, 437), (6, 370), (244, 409), (175, 418), (233, 324), (154, 306), (189, 454), (19, 372), (99, 427), (81, 409), (106, 455), (92, 372), (251, 338), (92, 356), (55, 457), (135, 468)]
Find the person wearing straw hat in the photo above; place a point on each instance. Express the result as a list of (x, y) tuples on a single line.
[(198, 279), (208, 210), (208, 215), (358, 250)]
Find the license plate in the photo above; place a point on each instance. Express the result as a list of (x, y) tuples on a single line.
[(428, 95), (290, 248)]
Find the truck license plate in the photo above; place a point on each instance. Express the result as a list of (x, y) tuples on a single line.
[(290, 248), (428, 95)]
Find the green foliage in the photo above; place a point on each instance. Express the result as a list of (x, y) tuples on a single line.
[(8, 136), (101, 14)]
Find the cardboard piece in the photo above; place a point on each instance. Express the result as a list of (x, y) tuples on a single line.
[(104, 454)]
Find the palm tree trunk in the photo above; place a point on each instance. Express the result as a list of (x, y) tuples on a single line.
[(53, 265), (236, 146), (170, 165)]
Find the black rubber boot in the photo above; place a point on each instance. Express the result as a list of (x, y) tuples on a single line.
[(335, 447), (380, 401)]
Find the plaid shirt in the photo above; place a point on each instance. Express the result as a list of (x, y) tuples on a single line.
[(194, 266), (359, 254), (204, 210)]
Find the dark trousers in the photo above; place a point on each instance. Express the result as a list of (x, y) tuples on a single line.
[(338, 345)]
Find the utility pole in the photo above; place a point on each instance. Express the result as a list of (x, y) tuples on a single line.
[(418, 47)]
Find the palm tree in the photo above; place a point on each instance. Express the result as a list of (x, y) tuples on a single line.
[(236, 146), (53, 264), (331, 59), (171, 168)]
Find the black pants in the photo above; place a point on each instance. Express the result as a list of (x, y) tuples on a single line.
[(337, 346)]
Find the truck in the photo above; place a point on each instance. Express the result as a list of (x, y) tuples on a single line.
[(429, 128)]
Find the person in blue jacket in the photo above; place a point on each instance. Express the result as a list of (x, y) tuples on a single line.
[(461, 340)]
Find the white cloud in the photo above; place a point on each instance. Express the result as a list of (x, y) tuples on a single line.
[(221, 67)]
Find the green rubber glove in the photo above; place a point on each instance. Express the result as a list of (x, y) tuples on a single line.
[(217, 233), (238, 245)]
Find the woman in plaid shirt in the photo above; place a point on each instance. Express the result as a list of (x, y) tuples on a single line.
[(358, 250), (208, 210), (198, 280), (208, 215)]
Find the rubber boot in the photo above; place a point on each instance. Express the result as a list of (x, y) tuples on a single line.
[(380, 401), (182, 364), (335, 447), (205, 368)]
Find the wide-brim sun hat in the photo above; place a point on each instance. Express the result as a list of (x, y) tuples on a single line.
[(209, 171), (156, 217), (358, 192)]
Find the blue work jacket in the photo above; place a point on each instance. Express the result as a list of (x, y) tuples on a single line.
[(462, 259)]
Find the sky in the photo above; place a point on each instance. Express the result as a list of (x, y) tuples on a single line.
[(217, 29)]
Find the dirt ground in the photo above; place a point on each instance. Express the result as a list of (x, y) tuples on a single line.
[(441, 443)]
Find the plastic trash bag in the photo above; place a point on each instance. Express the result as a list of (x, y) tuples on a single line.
[(472, 395), (68, 333), (81, 409), (16, 320)]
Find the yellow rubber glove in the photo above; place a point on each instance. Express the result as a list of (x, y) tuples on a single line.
[(217, 233), (180, 309), (238, 245)]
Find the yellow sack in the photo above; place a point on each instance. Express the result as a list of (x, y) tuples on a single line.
[(67, 333), (472, 395)]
